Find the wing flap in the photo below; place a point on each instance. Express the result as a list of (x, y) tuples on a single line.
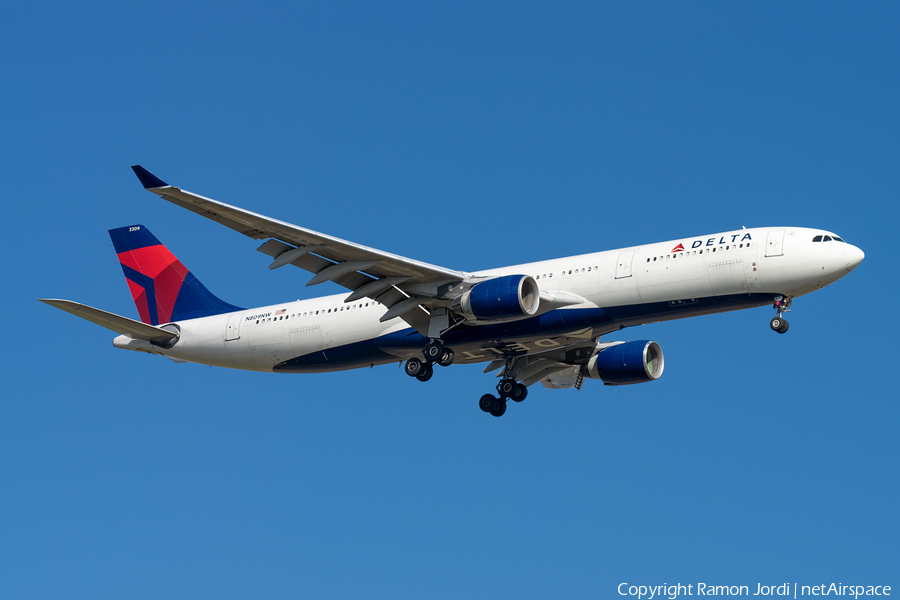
[(123, 325)]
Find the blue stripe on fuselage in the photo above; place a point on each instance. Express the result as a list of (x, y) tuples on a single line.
[(557, 323)]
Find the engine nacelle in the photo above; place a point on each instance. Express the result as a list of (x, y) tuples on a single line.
[(506, 298), (624, 363)]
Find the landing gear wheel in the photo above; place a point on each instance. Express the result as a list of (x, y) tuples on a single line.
[(434, 350), (447, 358), (499, 409), (507, 388), (520, 393), (426, 373), (782, 305), (414, 366), (487, 402)]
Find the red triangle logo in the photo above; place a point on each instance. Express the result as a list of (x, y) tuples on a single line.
[(678, 248)]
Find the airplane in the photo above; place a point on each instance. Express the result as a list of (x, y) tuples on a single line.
[(537, 322)]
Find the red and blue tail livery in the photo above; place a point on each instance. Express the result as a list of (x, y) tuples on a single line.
[(163, 289)]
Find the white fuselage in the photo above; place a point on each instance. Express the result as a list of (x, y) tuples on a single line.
[(629, 286)]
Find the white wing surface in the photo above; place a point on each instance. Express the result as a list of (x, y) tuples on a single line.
[(367, 272)]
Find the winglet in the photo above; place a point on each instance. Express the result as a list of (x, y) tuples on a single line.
[(148, 179)]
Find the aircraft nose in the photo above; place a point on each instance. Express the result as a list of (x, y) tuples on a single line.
[(854, 257)]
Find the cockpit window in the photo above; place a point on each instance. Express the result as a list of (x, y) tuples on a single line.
[(818, 238), (837, 239), (827, 238)]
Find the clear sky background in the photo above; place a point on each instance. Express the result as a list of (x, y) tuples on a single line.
[(468, 135)]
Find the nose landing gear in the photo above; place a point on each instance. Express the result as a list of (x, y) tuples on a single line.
[(781, 306)]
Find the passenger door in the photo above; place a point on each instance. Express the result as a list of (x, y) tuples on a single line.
[(774, 243), (233, 329), (623, 266)]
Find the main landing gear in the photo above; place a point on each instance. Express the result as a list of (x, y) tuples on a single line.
[(781, 306), (434, 352), (507, 389)]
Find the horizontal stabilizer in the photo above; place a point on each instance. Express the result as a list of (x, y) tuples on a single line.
[(124, 325)]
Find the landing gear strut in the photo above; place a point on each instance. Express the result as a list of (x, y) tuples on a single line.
[(781, 306)]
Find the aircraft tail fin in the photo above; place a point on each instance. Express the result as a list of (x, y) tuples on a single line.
[(163, 289)]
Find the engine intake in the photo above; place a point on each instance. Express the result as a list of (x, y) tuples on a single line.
[(506, 298), (624, 363)]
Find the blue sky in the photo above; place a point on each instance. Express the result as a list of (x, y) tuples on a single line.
[(468, 135)]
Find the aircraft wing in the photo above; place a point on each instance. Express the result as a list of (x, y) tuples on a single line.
[(365, 271), (133, 329)]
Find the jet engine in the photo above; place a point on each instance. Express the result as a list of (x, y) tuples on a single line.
[(624, 363), (506, 298)]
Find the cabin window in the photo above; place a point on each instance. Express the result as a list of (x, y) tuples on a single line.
[(589, 269)]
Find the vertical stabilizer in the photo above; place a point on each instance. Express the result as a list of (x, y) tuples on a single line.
[(163, 289)]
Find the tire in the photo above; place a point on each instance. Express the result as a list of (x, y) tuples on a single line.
[(447, 359), (427, 372), (784, 326), (486, 403), (520, 394), (433, 351), (775, 323), (507, 388), (413, 367), (499, 410)]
